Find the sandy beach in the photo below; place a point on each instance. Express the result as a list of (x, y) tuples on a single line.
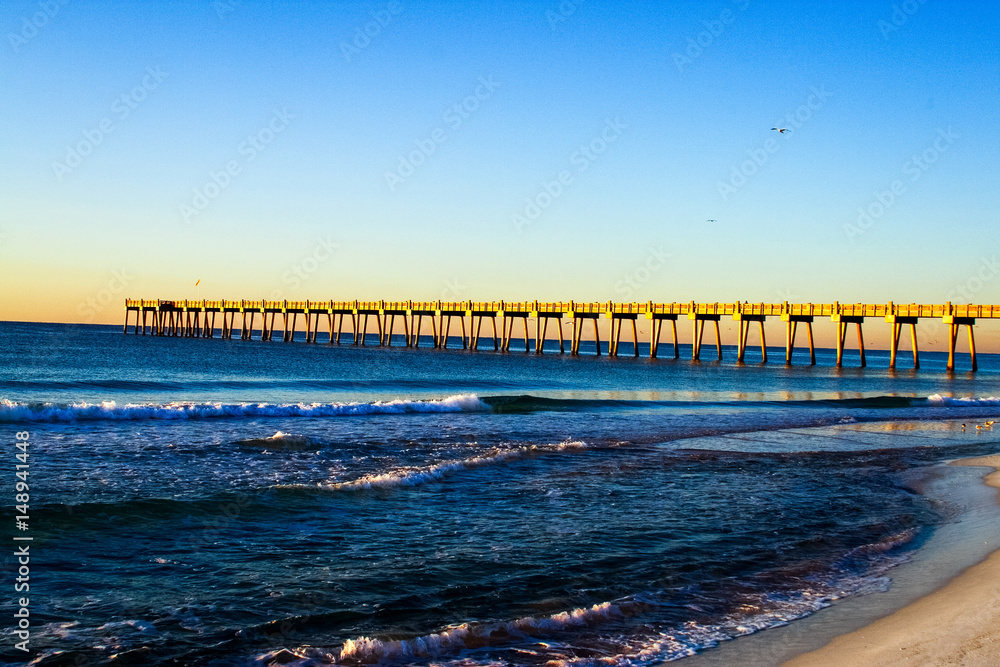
[(958, 624)]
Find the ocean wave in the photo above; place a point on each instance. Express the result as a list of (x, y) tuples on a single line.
[(645, 645), (526, 403), (279, 440), (366, 650), (965, 402), (11, 411), (867, 551), (14, 411), (417, 475)]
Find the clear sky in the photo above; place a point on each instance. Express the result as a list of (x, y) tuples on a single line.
[(497, 150)]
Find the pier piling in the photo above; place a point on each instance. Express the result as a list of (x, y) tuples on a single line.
[(897, 321), (745, 314), (954, 324)]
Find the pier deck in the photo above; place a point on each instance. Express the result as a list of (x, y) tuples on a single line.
[(197, 318)]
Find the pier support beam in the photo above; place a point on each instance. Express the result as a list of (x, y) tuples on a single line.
[(389, 317), (361, 330), (656, 328), (388, 330), (842, 322), (507, 327), (312, 326), (745, 319), (954, 323), (542, 328), (127, 311), (698, 321), (444, 326), (791, 324), (340, 328), (288, 334), (579, 318), (897, 323), (616, 333), (416, 324), (476, 322)]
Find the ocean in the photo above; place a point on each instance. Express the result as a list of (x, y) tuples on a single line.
[(225, 502)]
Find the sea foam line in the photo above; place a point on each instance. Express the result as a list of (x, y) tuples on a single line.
[(757, 611), (421, 475), (11, 411), (366, 650)]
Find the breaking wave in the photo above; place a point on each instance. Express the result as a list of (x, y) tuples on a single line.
[(279, 440), (11, 411), (366, 650), (968, 402), (422, 474), (859, 571)]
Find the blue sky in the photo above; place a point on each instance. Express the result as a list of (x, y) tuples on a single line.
[(267, 149)]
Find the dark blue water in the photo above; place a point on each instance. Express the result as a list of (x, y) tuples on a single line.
[(215, 502)]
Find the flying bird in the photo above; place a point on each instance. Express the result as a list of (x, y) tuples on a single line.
[(781, 130), (711, 221)]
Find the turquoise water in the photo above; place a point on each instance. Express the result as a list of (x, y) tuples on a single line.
[(216, 502)]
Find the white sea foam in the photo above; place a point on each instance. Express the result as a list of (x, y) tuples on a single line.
[(755, 612), (366, 650), (279, 440), (11, 411), (969, 402), (420, 475), (118, 626)]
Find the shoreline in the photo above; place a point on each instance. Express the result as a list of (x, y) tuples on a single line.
[(958, 623), (842, 634)]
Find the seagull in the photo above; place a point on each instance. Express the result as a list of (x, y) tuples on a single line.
[(711, 221), (781, 130)]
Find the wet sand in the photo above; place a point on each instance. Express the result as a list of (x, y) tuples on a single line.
[(959, 624), (843, 633)]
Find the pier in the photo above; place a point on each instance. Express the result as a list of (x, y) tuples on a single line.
[(197, 318)]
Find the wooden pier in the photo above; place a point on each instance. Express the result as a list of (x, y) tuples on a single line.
[(197, 318)]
